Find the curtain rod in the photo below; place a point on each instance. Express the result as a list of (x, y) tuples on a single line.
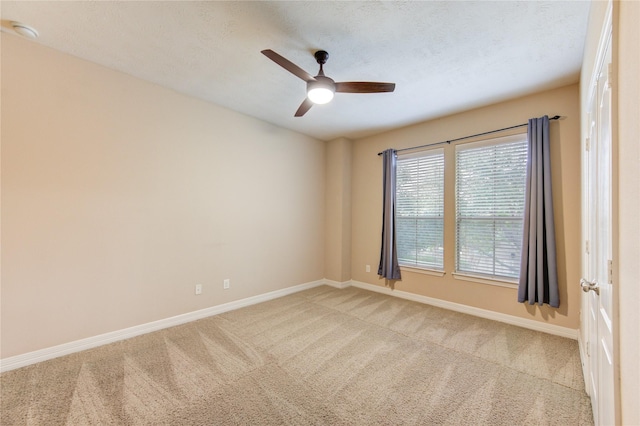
[(555, 117)]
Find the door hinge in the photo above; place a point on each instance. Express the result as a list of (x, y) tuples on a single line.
[(610, 271), (609, 75), (586, 246), (587, 144)]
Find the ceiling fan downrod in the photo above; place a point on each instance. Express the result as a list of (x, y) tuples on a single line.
[(321, 58)]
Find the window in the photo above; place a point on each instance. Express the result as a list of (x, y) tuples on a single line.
[(490, 194), (420, 210)]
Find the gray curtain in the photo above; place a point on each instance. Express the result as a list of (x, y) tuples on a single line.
[(538, 271), (389, 267)]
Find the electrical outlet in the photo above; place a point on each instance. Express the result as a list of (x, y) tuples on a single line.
[(227, 283), (198, 288), (367, 268)]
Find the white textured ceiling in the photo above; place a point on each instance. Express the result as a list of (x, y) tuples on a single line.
[(444, 56)]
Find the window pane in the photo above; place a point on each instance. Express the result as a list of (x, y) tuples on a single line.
[(475, 246), (420, 209), (508, 247), (419, 242), (490, 186)]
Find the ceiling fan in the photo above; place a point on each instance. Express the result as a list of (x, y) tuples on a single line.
[(320, 89)]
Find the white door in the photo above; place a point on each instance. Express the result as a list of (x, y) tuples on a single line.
[(597, 279)]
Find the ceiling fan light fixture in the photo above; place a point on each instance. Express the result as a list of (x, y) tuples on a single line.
[(320, 92), (320, 95)]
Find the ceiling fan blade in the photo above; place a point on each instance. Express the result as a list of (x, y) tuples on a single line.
[(288, 65), (364, 87), (304, 107)]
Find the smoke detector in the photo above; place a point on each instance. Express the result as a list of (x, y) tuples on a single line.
[(24, 30)]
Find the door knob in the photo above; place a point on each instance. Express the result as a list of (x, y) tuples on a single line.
[(589, 286)]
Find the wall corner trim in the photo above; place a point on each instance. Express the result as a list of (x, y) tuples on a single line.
[(23, 360), (470, 310), (337, 284)]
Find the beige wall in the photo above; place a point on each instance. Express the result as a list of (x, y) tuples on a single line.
[(367, 202), (628, 59), (338, 210), (118, 196)]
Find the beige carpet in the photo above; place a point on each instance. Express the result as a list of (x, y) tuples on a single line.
[(320, 357)]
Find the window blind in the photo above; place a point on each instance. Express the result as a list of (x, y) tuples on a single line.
[(420, 209), (490, 193)]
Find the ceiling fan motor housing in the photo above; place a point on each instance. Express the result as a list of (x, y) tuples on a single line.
[(322, 81)]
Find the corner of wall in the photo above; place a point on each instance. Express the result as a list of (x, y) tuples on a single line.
[(338, 210)]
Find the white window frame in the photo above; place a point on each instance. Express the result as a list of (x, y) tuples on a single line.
[(475, 275), (416, 267)]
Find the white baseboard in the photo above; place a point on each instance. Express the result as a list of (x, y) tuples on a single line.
[(478, 312), (29, 358)]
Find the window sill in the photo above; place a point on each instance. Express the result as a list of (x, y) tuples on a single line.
[(433, 272), (500, 282)]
